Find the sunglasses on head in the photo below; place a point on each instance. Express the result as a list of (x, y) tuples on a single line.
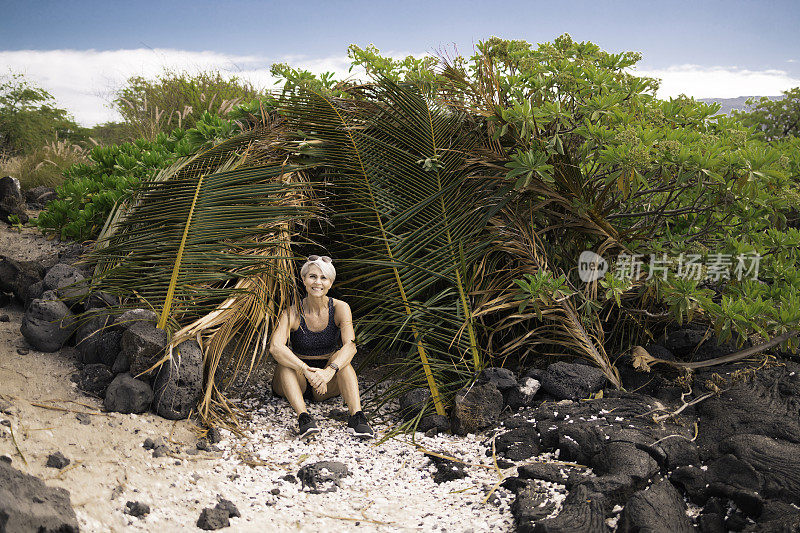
[(325, 258)]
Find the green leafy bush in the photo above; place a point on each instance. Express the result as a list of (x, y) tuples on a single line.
[(775, 119), (91, 189), (29, 118)]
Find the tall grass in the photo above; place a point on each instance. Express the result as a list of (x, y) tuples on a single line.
[(45, 165)]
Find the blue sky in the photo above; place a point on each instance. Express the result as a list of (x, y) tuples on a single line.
[(82, 50)]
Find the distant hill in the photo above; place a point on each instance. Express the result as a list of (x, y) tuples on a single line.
[(738, 103)]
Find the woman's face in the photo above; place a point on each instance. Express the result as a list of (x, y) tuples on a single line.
[(317, 283)]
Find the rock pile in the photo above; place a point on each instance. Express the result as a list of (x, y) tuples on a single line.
[(115, 350)]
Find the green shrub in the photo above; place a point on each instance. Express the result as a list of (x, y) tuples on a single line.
[(90, 189), (29, 118)]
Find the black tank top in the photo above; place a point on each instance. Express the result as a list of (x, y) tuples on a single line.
[(307, 343)]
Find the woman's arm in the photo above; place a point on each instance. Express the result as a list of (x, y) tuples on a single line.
[(279, 348), (342, 357)]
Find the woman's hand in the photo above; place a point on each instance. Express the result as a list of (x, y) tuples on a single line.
[(327, 373), (318, 379)]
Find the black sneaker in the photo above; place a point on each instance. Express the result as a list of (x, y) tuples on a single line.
[(358, 426), (307, 426)]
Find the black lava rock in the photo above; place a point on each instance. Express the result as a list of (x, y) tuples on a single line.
[(502, 378), (519, 443), (57, 460), (121, 363), (531, 505), (554, 473), (615, 489), (523, 394), (213, 518), (658, 508), (413, 402), (12, 271), (47, 324), (95, 379), (125, 394), (679, 451), (135, 316), (692, 481), (439, 423), (12, 202), (229, 507), (214, 435), (322, 476), (626, 459), (566, 381), (39, 196), (68, 283), (137, 509), (768, 405), (582, 512), (446, 470), (143, 345), (88, 338), (179, 383), (475, 408), (108, 348), (27, 504)]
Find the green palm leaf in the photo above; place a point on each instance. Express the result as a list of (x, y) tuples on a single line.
[(407, 213)]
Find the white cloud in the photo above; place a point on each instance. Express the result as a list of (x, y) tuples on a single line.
[(82, 81), (719, 82)]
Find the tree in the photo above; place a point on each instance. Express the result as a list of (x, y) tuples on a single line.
[(29, 118), (775, 118)]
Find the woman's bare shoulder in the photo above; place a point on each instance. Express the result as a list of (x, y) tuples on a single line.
[(341, 309)]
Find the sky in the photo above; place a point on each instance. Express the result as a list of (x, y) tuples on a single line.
[(81, 51)]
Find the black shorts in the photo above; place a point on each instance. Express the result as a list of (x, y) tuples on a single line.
[(315, 363)]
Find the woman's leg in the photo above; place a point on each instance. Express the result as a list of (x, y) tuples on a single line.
[(291, 384), (346, 384)]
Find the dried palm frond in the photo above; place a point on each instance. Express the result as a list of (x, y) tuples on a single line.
[(557, 321), (208, 243)]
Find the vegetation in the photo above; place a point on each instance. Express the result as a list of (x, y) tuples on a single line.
[(178, 100), (92, 189), (776, 119), (457, 197), (29, 118), (45, 165)]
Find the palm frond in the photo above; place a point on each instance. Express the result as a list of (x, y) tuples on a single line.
[(409, 212), (209, 245), (557, 322)]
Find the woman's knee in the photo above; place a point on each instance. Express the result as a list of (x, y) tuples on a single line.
[(284, 375), (346, 373)]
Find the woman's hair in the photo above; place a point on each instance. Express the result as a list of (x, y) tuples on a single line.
[(326, 266)]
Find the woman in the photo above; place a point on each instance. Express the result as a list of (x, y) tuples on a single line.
[(322, 346)]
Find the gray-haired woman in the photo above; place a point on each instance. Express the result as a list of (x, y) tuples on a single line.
[(322, 341)]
